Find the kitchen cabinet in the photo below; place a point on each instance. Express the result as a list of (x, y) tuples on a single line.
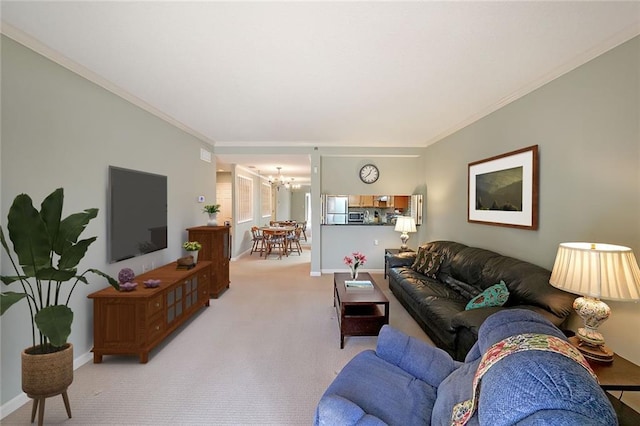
[(366, 201), (354, 201), (401, 202)]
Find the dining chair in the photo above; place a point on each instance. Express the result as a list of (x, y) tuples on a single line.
[(303, 227), (275, 241), (258, 240), (293, 240)]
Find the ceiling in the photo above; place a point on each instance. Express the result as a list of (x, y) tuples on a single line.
[(361, 73)]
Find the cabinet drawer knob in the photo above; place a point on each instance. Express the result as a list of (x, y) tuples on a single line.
[(157, 304), (157, 327)]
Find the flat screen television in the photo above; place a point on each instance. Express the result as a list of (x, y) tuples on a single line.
[(137, 213)]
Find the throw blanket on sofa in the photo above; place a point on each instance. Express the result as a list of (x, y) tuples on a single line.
[(463, 411)]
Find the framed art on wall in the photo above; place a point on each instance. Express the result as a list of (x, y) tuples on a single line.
[(503, 190)]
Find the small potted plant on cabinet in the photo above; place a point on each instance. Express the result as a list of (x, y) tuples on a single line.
[(193, 247), (48, 252), (212, 210)]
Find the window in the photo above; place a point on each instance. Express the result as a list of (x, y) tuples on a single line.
[(245, 200), (265, 199)]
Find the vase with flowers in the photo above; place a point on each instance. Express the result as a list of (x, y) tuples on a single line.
[(193, 247), (212, 210), (354, 263)]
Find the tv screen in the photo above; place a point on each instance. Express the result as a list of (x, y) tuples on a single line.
[(137, 211)]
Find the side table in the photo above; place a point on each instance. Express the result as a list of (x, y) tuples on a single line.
[(620, 375), (389, 251)]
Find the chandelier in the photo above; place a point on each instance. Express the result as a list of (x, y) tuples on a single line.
[(280, 180)]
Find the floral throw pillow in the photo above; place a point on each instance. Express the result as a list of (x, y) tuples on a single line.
[(496, 295), (427, 263)]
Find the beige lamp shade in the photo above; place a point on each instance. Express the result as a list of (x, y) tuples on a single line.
[(405, 224), (601, 271)]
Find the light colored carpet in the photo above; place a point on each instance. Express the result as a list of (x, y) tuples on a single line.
[(261, 354)]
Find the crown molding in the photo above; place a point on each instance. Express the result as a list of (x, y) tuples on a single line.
[(579, 60), (42, 49)]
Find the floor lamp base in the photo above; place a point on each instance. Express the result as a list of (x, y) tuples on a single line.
[(602, 354)]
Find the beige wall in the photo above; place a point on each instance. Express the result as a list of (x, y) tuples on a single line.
[(60, 130), (587, 126)]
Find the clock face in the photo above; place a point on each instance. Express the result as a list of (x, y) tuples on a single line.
[(369, 173)]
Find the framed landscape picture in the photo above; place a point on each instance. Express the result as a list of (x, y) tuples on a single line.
[(503, 190)]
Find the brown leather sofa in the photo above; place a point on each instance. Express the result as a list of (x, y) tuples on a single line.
[(438, 305)]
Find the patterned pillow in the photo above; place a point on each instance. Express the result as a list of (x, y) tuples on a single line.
[(427, 263), (496, 295)]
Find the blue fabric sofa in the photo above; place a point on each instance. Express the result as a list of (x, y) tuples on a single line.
[(408, 382)]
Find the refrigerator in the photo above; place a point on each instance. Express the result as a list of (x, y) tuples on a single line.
[(336, 209)]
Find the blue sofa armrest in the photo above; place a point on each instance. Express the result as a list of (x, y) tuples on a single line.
[(336, 410), (423, 361)]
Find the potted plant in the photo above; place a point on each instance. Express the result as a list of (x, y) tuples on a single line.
[(212, 210), (48, 252), (193, 247)]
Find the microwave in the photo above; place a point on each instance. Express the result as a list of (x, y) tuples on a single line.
[(356, 217)]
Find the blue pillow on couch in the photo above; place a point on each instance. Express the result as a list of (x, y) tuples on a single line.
[(496, 295)]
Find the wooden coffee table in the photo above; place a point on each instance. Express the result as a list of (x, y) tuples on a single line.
[(360, 312)]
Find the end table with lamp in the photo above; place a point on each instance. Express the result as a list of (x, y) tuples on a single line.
[(595, 271), (606, 271)]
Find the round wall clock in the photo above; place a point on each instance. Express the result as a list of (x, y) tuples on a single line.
[(369, 173)]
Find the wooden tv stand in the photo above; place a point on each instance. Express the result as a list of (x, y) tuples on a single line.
[(134, 322)]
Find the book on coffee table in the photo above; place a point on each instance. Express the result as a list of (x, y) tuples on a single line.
[(358, 285)]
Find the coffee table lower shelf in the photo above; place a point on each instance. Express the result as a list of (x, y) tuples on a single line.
[(360, 320)]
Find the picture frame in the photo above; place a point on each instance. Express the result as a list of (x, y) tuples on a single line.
[(503, 190)]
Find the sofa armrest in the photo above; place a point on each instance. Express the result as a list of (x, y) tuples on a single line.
[(421, 360), (471, 320), (401, 259), (336, 410)]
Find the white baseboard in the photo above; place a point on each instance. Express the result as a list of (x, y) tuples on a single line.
[(17, 402)]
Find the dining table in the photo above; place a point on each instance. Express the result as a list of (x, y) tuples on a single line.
[(285, 231)]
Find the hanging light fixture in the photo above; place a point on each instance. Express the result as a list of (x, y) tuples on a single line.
[(280, 180)]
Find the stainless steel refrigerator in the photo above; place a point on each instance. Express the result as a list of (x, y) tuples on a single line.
[(336, 209)]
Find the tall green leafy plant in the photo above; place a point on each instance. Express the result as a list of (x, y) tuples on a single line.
[(48, 252)]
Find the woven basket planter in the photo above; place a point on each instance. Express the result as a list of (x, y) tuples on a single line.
[(47, 374)]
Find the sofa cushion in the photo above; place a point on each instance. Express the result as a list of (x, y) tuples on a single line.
[(468, 264), (496, 295), (404, 399), (427, 263), (463, 288), (408, 353)]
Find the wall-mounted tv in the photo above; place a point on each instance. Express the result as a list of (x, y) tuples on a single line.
[(137, 213)]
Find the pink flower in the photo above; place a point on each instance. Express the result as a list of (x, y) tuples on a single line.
[(356, 261)]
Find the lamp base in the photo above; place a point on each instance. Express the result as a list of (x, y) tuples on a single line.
[(602, 353), (404, 238)]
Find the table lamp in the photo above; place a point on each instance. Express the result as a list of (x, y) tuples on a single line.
[(405, 224), (595, 271)]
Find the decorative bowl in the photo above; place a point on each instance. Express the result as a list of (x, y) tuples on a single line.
[(129, 286), (152, 283)]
